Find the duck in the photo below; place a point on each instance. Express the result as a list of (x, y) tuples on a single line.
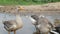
[(13, 25)]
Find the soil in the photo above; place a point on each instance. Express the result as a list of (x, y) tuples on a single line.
[(50, 7)]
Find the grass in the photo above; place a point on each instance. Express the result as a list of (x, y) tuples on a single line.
[(7, 2), (25, 2)]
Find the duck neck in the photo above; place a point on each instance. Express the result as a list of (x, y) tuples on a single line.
[(18, 19), (33, 20)]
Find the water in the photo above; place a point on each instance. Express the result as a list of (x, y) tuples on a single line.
[(28, 28)]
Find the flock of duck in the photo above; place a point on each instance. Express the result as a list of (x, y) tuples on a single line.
[(41, 23)]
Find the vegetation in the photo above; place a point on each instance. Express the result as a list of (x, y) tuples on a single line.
[(25, 2)]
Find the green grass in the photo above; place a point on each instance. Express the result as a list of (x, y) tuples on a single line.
[(7, 2), (25, 2)]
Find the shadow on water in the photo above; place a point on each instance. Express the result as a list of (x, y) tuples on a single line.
[(28, 28)]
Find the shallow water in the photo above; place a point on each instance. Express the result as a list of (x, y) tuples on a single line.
[(28, 28)]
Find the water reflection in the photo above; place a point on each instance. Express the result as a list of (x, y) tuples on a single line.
[(28, 27)]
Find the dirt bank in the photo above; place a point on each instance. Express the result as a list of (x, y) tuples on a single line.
[(31, 8)]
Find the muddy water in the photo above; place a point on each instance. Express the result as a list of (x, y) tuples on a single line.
[(28, 28)]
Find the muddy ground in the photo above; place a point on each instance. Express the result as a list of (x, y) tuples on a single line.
[(50, 8)]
